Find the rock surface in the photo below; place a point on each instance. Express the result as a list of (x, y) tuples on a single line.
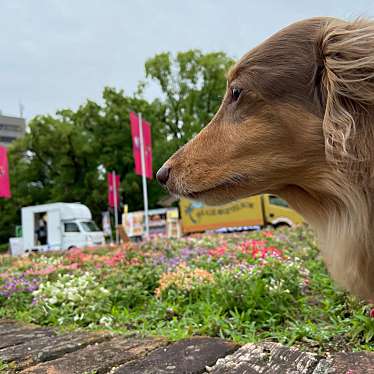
[(35, 350), (98, 358), (266, 358), (186, 356)]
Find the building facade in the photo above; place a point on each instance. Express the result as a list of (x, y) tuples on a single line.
[(11, 128)]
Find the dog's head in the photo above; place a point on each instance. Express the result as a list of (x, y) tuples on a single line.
[(291, 108)]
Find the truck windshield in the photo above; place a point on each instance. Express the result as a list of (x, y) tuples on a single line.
[(275, 200), (89, 226)]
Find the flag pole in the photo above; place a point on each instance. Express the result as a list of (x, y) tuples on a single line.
[(144, 178), (115, 203)]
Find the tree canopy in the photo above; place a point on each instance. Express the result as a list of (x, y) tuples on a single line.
[(65, 157)]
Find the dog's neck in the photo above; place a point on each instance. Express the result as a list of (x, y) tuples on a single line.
[(342, 217)]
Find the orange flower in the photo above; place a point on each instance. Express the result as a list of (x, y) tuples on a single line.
[(184, 278)]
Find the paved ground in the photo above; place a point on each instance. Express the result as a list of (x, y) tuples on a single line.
[(36, 350)]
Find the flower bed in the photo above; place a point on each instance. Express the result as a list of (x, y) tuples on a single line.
[(246, 287)]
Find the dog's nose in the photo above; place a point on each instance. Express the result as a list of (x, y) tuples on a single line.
[(163, 175)]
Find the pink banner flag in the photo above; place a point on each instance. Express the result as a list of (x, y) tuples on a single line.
[(111, 189), (4, 174), (134, 120)]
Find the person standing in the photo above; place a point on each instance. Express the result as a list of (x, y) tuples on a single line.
[(42, 231)]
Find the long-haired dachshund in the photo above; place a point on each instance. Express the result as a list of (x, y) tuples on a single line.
[(297, 120)]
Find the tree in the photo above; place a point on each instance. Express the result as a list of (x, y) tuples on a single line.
[(65, 157), (192, 86)]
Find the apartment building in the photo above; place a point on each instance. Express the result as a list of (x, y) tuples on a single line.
[(11, 128)]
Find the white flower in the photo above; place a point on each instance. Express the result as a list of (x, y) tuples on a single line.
[(52, 300), (106, 321)]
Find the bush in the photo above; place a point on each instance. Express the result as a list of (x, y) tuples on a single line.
[(4, 248)]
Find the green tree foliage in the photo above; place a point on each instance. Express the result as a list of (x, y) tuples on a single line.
[(192, 86), (65, 157)]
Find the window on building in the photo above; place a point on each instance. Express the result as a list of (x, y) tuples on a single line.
[(14, 128), (7, 139)]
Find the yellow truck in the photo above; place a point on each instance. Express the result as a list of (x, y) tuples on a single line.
[(260, 210)]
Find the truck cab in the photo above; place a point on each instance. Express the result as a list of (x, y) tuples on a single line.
[(81, 233), (277, 212)]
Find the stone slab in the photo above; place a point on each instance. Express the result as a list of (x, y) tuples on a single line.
[(98, 358), (7, 326), (352, 363), (186, 356), (18, 336), (266, 358), (47, 348)]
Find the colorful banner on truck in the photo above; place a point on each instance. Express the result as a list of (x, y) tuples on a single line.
[(199, 217)]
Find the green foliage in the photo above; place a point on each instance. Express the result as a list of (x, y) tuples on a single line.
[(131, 287), (6, 367), (192, 84)]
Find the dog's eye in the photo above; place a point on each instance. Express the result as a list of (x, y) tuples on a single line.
[(235, 92)]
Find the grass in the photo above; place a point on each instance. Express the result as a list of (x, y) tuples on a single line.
[(5, 367), (247, 287)]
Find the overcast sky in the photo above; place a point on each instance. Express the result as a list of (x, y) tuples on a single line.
[(57, 53)]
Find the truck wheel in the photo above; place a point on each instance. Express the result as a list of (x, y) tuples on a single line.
[(72, 247)]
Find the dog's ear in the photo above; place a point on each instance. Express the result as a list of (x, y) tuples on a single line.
[(347, 85)]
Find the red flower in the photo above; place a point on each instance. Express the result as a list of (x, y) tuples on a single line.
[(218, 252), (371, 313), (115, 259), (257, 249), (267, 234), (76, 255)]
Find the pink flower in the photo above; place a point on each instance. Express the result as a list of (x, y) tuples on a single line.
[(51, 269), (115, 259), (218, 251), (48, 270), (73, 266), (371, 313), (76, 255)]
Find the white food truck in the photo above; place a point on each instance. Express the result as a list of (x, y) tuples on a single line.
[(56, 226)]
